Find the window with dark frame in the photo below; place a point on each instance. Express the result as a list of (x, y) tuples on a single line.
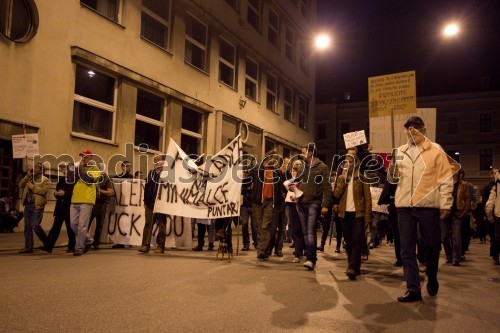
[(253, 14), (155, 22), (94, 103), (109, 8), (251, 79), (271, 92), (303, 59), (196, 43), (150, 120), (18, 20), (290, 44), (485, 122), (321, 131), (288, 103), (191, 131), (303, 112), (227, 63), (273, 28), (485, 159)]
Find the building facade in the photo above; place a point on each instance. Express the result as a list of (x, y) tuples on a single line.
[(466, 128), (105, 75)]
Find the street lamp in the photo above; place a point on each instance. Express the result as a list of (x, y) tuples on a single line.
[(322, 42), (451, 30)]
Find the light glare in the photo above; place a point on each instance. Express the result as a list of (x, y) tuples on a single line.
[(451, 30), (322, 42)]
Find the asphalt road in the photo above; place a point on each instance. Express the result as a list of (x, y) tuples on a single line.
[(183, 291)]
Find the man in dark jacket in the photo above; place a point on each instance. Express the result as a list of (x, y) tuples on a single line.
[(314, 181), (268, 198), (150, 190)]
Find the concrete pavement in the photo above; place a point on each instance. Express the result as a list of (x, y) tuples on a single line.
[(183, 291)]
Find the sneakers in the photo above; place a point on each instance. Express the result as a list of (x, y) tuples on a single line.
[(87, 247), (78, 253), (351, 273), (321, 248), (45, 248), (278, 254), (410, 296), (26, 250), (296, 260), (456, 263), (261, 255), (245, 248), (337, 249), (309, 265)]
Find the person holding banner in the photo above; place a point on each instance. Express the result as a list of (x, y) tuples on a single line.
[(34, 187), (153, 181), (423, 199), (314, 181), (268, 197), (83, 199)]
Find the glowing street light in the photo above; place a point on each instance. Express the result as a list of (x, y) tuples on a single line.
[(451, 30), (322, 42)]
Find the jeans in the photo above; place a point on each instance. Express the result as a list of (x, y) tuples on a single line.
[(245, 215), (452, 238), (326, 225), (80, 218), (59, 219), (32, 219), (353, 228), (308, 214), (410, 220)]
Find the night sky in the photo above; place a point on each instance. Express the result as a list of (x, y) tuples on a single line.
[(377, 37)]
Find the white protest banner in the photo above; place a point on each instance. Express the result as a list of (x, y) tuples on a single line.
[(125, 218), (211, 190), (354, 139), (25, 145), (376, 192)]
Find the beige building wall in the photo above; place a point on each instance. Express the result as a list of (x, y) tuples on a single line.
[(37, 85)]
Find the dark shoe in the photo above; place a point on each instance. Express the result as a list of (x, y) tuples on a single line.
[(26, 250), (87, 247), (96, 246), (337, 249), (448, 261), (364, 257), (351, 273), (78, 253), (456, 263), (279, 254), (198, 248), (46, 249), (70, 250), (160, 250), (144, 249), (462, 258), (432, 287), (210, 246), (245, 248), (309, 265), (321, 248), (397, 264), (410, 296), (261, 255), (292, 246), (118, 246)]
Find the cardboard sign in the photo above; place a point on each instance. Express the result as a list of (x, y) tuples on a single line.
[(25, 145), (354, 139)]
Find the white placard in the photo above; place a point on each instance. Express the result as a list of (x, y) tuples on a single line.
[(376, 192), (25, 145), (354, 139)]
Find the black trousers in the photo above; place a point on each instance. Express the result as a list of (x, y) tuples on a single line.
[(393, 221), (354, 228), (59, 219)]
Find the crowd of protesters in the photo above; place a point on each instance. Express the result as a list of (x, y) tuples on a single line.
[(421, 204)]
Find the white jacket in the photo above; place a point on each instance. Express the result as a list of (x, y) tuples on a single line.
[(493, 202), (425, 181)]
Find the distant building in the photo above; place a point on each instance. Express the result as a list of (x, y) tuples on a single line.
[(467, 128)]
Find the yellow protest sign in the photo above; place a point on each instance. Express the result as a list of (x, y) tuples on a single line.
[(392, 94)]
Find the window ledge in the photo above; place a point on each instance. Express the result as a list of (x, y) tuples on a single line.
[(253, 100), (158, 46), (148, 151), (290, 121), (92, 138), (197, 68), (102, 15), (221, 83)]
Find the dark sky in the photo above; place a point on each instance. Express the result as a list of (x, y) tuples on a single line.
[(377, 37)]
